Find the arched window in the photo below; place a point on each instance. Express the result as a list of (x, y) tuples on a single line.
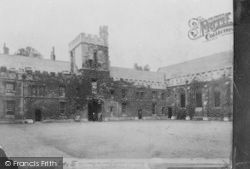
[(217, 100), (182, 98), (198, 98)]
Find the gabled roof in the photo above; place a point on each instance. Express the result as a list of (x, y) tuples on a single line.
[(126, 73), (21, 62), (204, 64)]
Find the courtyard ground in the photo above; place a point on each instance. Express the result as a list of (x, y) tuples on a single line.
[(119, 140)]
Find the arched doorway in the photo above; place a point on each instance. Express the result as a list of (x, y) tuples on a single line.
[(94, 108), (170, 111), (140, 114), (38, 115)]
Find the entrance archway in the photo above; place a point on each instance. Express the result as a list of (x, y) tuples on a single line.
[(38, 115), (170, 112), (140, 114), (94, 108)]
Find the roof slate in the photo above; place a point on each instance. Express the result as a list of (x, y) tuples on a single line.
[(36, 64), (126, 73), (208, 63)]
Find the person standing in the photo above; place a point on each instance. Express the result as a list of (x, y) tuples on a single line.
[(93, 116)]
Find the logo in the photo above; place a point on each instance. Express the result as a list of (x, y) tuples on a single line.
[(8, 163), (210, 28)]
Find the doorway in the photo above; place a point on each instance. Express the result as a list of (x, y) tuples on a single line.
[(140, 114), (38, 115), (170, 111), (163, 111), (94, 108)]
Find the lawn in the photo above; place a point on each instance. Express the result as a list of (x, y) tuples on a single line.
[(124, 139)]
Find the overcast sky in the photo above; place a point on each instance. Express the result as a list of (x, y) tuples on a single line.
[(150, 32)]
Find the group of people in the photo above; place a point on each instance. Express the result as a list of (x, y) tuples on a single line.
[(97, 116)]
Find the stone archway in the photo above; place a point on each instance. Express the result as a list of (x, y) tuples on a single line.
[(38, 115), (94, 108)]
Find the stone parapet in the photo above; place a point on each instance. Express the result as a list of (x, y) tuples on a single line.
[(87, 38)]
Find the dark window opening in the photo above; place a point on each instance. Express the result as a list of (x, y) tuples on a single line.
[(183, 100), (112, 92), (95, 59), (198, 99), (216, 99), (10, 107)]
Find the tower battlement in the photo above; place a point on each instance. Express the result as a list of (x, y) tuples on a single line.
[(92, 39)]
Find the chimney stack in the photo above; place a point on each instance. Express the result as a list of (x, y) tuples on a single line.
[(52, 55), (5, 49)]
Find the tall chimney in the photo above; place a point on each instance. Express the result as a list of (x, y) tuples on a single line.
[(5, 49), (52, 55)]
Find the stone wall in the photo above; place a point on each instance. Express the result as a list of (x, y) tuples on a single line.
[(207, 90)]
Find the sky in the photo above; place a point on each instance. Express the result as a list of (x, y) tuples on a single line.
[(153, 32)]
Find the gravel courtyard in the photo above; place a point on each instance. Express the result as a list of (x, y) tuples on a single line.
[(124, 139)]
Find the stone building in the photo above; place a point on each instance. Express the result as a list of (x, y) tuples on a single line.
[(201, 88), (41, 89)]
